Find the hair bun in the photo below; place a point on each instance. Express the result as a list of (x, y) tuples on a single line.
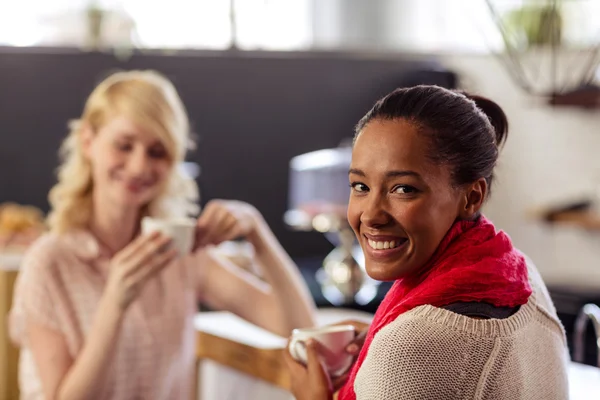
[(495, 115)]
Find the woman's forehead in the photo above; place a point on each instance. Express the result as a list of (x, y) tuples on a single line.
[(393, 148), (126, 127), (389, 142)]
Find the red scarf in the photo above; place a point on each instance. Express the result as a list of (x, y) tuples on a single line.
[(473, 263)]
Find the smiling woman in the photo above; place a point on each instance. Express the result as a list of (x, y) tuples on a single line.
[(466, 314), (137, 113), (399, 185), (406, 169), (104, 311)]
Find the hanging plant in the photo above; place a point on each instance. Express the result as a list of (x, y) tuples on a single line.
[(535, 25), (95, 18)]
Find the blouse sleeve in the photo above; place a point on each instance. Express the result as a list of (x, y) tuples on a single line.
[(36, 291)]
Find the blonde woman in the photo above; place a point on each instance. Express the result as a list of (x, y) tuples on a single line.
[(103, 312)]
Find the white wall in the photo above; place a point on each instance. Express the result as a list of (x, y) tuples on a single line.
[(551, 154)]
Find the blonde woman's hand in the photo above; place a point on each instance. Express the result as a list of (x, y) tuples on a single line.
[(131, 268), (224, 220)]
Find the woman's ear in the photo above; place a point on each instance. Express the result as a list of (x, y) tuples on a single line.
[(87, 137), (474, 196)]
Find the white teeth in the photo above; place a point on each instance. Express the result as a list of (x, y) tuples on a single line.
[(383, 245)]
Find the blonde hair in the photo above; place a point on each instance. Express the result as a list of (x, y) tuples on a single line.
[(149, 100)]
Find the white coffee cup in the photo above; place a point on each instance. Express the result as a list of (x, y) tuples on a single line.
[(181, 231), (333, 340)]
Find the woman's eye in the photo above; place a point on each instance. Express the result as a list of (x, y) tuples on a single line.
[(157, 152), (359, 187), (404, 189), (123, 146)]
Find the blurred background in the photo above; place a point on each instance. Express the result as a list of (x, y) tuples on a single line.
[(267, 80)]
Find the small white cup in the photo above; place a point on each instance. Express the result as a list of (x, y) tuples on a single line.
[(333, 339), (181, 230)]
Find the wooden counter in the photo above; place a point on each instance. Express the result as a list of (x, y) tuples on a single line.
[(237, 345), (9, 355), (229, 340), (250, 358)]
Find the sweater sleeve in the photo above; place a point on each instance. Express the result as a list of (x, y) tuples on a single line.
[(415, 357)]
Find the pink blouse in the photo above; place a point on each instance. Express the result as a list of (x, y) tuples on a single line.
[(60, 285)]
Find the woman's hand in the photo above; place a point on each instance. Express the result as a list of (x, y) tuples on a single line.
[(131, 268), (273, 295), (309, 382), (353, 348), (224, 220), (64, 376)]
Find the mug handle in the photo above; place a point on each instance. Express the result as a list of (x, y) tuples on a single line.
[(293, 348)]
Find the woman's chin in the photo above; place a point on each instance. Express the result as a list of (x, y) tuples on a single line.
[(385, 271), (133, 200)]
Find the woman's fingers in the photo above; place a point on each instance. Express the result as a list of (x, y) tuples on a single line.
[(146, 252), (214, 225), (295, 367), (356, 345), (209, 223), (135, 264), (317, 372), (154, 266), (231, 231), (135, 246), (310, 381)]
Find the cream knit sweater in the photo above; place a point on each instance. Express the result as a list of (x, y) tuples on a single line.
[(432, 353)]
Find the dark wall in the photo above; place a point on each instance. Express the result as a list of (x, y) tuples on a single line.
[(252, 112)]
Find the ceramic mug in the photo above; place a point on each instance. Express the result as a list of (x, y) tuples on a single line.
[(182, 231), (333, 340)]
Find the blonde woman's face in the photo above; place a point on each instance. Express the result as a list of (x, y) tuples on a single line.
[(129, 165)]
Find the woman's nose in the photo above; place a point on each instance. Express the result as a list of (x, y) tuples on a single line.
[(138, 163), (375, 213)]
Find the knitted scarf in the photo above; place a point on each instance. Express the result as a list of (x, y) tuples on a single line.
[(473, 263)]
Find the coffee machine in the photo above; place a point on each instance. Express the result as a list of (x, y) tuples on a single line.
[(318, 201)]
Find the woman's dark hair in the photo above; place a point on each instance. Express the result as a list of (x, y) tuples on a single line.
[(465, 131)]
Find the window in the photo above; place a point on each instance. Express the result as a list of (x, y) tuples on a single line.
[(386, 25), (260, 24)]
